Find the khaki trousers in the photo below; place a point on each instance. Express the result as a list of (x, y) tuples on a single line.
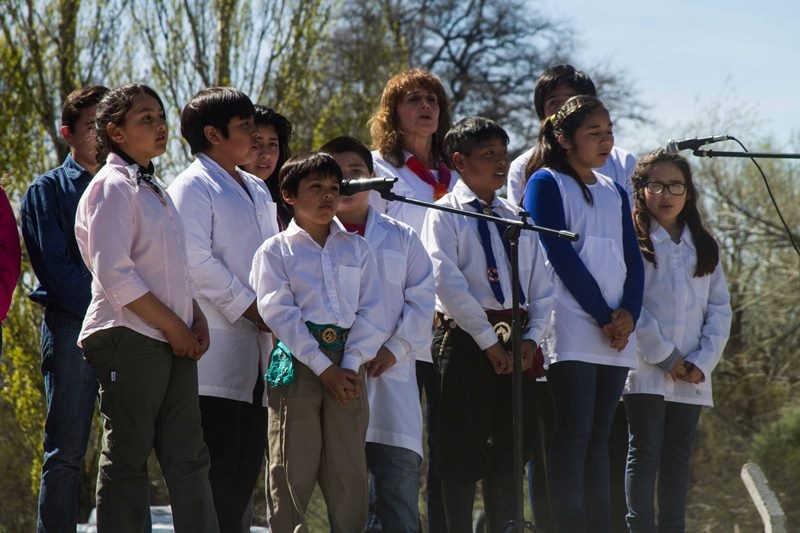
[(313, 438)]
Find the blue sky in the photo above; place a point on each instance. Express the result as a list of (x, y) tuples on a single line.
[(684, 57)]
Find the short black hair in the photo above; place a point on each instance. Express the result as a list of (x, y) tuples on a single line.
[(349, 144), (468, 132), (214, 106), (305, 165), (559, 75)]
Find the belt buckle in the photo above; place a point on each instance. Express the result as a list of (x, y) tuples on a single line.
[(328, 335), (503, 331)]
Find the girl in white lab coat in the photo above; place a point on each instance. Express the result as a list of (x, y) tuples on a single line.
[(682, 330)]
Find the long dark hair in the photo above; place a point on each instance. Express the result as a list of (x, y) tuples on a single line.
[(548, 152), (112, 109), (705, 244)]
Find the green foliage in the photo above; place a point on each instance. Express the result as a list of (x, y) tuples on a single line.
[(776, 449)]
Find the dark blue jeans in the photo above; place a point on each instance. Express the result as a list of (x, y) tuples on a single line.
[(585, 396), (71, 392), (661, 442)]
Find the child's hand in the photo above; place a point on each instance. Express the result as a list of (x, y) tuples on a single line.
[(693, 374), (678, 370), (500, 359), (251, 314), (341, 383), (619, 329), (527, 350), (183, 341), (200, 330), (382, 362)]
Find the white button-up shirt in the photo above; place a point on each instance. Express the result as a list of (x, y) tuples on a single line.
[(679, 311), (297, 280), (460, 269), (132, 241), (408, 300), (225, 225)]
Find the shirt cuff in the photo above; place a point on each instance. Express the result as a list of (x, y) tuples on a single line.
[(669, 362), (486, 339), (351, 361)]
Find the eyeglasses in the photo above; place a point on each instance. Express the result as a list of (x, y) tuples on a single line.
[(656, 187)]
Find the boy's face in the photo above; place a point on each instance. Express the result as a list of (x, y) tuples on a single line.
[(353, 167), (82, 138), (316, 202), (556, 98), (485, 168), (240, 147)]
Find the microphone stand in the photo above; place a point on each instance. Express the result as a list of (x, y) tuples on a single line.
[(510, 234), (767, 155)]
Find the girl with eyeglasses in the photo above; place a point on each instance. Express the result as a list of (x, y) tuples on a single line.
[(681, 333)]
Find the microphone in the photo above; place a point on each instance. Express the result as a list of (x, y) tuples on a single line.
[(675, 146), (354, 186)]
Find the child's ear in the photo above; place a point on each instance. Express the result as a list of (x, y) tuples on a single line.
[(115, 133), (287, 197), (458, 161), (212, 134), (564, 142)]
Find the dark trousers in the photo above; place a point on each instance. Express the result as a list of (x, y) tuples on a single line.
[(585, 397), (236, 435), (542, 420), (662, 439), (475, 434), (428, 383), (149, 400)]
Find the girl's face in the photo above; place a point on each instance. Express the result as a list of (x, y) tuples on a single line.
[(144, 134), (590, 145), (418, 113), (269, 150), (666, 205)]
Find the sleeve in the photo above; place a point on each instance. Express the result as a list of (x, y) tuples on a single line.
[(370, 328), (543, 200), (439, 235), (10, 254), (213, 281), (46, 236), (540, 295), (516, 175), (414, 327), (716, 326), (279, 311), (104, 228), (633, 289), (652, 344)]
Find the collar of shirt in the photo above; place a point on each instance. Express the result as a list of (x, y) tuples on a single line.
[(294, 229), (132, 170), (659, 234), (214, 169), (464, 195), (72, 169)]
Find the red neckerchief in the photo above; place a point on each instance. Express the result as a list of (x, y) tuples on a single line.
[(355, 228), (440, 187)]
